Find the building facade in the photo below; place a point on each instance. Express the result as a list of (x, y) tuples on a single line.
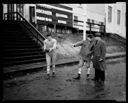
[(65, 18), (96, 14), (54, 17), (116, 18)]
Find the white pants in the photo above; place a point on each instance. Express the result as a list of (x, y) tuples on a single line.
[(81, 64), (51, 60)]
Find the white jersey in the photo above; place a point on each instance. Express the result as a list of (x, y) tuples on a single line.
[(50, 44)]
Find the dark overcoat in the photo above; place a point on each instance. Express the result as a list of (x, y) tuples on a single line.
[(99, 52)]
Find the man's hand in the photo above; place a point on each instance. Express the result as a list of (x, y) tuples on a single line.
[(92, 57), (50, 49), (73, 45), (100, 59), (46, 50)]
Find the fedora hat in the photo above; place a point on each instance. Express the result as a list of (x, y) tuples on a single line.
[(98, 34)]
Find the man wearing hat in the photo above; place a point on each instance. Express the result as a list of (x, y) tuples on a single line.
[(50, 45), (99, 52)]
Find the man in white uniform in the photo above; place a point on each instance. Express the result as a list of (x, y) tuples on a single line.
[(50, 45)]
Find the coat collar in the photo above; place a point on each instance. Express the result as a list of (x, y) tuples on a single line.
[(97, 38)]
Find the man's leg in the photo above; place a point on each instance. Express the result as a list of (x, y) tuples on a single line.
[(88, 68), (102, 77), (48, 60), (53, 63), (80, 65), (95, 69), (96, 75)]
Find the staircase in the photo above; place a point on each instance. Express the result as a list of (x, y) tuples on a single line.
[(19, 46)]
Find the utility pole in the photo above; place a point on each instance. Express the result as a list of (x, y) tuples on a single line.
[(85, 20), (84, 29), (54, 28)]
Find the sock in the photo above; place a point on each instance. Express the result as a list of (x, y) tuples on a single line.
[(53, 68), (88, 70), (79, 71), (48, 69)]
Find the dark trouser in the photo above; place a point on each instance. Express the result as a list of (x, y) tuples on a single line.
[(99, 75)]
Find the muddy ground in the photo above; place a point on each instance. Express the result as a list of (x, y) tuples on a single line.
[(36, 86)]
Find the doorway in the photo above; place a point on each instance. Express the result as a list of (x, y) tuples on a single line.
[(32, 15), (10, 9)]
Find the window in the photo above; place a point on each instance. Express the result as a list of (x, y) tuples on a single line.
[(44, 19), (19, 8), (46, 12), (61, 21), (88, 20), (93, 23), (75, 19), (118, 17), (109, 14), (125, 19), (61, 15), (48, 19)]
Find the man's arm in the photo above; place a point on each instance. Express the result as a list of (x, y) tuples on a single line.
[(78, 43), (103, 51)]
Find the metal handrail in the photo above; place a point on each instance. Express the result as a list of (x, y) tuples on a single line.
[(18, 17)]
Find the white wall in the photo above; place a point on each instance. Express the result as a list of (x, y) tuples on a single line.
[(89, 11), (113, 27), (95, 16), (80, 12), (4, 9), (96, 12), (109, 25), (96, 8)]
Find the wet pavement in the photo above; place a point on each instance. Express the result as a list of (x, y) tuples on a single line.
[(36, 86)]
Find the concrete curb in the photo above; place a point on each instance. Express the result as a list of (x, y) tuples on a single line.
[(62, 63), (108, 56)]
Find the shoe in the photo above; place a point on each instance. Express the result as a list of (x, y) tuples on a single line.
[(87, 76), (78, 77), (102, 83), (53, 74), (93, 79), (48, 76)]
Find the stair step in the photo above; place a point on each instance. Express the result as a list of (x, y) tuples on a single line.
[(19, 43), (14, 34), (24, 61), (23, 67), (23, 57), (15, 40), (24, 45), (18, 38), (12, 54), (23, 49), (19, 48)]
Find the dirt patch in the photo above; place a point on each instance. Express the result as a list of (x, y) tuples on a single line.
[(65, 42)]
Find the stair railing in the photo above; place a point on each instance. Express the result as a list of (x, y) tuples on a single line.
[(18, 17)]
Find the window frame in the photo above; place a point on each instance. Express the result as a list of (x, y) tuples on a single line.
[(109, 14), (118, 16)]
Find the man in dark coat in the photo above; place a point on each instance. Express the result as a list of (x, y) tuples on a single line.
[(99, 52)]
